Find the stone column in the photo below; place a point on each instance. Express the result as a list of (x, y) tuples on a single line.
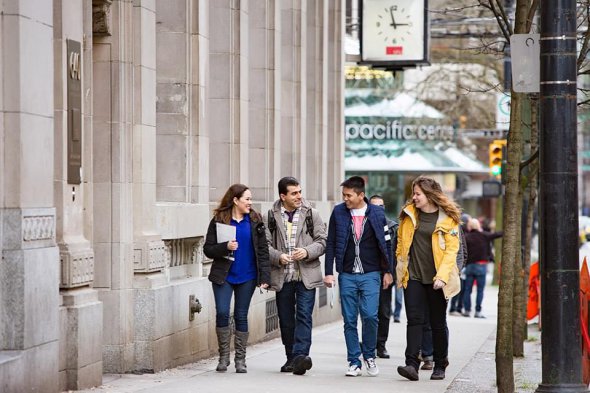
[(182, 47), (80, 311), (261, 95), (290, 88), (228, 94), (113, 209), (29, 272), (150, 254), (335, 33)]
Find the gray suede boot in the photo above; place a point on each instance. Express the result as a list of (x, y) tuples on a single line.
[(241, 340), (223, 338)]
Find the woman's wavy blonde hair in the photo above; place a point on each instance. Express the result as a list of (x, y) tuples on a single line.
[(434, 193)]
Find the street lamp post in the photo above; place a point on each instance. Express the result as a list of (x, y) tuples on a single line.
[(560, 282)]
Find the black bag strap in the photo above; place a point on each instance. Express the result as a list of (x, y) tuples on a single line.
[(272, 223), (309, 222)]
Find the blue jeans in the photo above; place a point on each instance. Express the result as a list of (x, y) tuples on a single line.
[(474, 272), (399, 301), (457, 300), (359, 293), (242, 296), (295, 308)]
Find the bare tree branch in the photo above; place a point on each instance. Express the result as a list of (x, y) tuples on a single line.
[(501, 21), (531, 16)]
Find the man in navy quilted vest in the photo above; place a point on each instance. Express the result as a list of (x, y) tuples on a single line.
[(360, 245)]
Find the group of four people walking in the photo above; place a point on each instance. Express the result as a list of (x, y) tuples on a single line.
[(280, 250)]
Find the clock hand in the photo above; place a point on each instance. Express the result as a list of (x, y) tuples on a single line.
[(392, 17)]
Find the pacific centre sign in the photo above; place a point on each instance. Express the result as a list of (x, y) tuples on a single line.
[(397, 130)]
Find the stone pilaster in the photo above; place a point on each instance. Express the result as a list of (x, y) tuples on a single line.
[(80, 312), (29, 271), (149, 251), (112, 173)]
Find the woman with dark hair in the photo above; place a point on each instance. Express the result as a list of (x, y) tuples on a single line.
[(428, 242), (239, 266)]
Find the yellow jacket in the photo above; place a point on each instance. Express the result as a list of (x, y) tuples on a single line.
[(445, 245)]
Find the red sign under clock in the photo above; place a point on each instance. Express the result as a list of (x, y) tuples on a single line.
[(394, 50)]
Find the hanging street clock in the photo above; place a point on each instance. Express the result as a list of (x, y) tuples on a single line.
[(394, 33)]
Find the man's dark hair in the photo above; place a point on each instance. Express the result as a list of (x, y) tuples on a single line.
[(376, 196), (357, 183), (285, 182)]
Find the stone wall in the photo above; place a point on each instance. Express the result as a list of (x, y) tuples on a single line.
[(178, 100)]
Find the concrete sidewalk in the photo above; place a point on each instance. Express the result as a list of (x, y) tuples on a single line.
[(468, 337)]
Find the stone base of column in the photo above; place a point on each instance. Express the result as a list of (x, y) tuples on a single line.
[(81, 333)]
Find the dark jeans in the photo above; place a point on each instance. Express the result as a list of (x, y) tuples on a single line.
[(457, 300), (399, 299), (242, 296), (427, 349), (474, 272), (419, 299), (295, 308), (385, 296)]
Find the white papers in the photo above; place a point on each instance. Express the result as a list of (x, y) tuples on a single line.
[(225, 233)]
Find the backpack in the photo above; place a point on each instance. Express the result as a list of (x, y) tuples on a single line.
[(272, 223)]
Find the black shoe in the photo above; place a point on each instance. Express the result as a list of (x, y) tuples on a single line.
[(301, 364), (382, 353), (408, 372), (396, 320), (287, 367), (428, 365), (438, 373)]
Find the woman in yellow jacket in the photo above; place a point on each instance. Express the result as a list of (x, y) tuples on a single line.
[(428, 241)]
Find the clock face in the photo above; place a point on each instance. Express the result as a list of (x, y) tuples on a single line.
[(393, 30)]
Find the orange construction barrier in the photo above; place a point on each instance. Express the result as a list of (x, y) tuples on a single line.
[(584, 304), (534, 303)]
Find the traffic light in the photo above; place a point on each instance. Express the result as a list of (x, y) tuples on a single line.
[(496, 152)]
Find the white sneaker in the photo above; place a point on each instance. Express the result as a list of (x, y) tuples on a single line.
[(354, 371), (372, 368)]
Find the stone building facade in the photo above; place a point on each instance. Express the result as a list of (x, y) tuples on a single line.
[(122, 123)]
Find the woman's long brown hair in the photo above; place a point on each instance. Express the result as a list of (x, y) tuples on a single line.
[(433, 191), (223, 211)]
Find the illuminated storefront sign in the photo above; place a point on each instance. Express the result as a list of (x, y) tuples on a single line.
[(397, 130)]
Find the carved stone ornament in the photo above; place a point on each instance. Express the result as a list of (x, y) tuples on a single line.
[(77, 268), (101, 17), (151, 256)]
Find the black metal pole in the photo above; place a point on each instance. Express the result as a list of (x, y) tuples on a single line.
[(560, 277)]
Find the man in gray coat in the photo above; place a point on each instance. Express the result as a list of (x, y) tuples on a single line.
[(297, 239)]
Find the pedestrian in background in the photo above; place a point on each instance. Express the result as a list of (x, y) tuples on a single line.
[(359, 243), (457, 300), (385, 295), (399, 301), (297, 238), (428, 242), (238, 267), (479, 249)]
